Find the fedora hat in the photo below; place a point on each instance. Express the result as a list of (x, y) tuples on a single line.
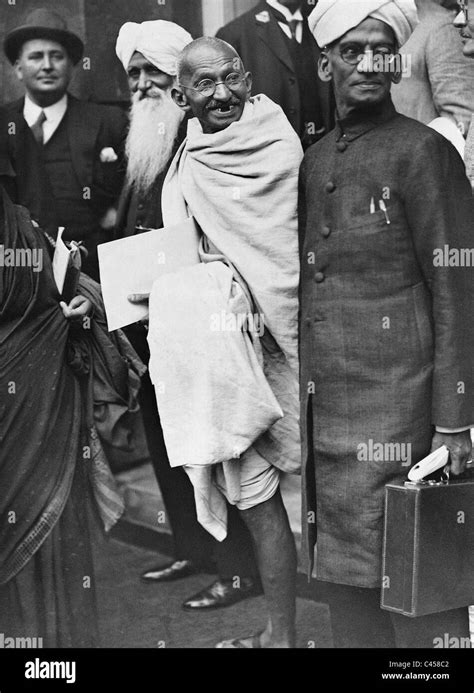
[(43, 23)]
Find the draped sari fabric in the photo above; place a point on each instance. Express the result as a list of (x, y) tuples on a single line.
[(65, 387), (109, 371), (40, 404)]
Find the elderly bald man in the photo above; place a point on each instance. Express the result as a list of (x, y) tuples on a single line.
[(384, 335), (236, 174), (148, 52)]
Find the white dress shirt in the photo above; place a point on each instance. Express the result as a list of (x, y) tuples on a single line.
[(54, 114), (289, 16)]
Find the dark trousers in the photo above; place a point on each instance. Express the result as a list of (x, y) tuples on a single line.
[(230, 558), (358, 621)]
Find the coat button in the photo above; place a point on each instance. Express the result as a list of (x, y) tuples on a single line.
[(292, 80), (325, 231), (140, 205), (330, 187), (319, 277), (341, 146)]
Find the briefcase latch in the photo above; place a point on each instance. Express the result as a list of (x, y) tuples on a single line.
[(431, 482)]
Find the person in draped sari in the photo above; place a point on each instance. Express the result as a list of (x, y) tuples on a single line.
[(65, 384)]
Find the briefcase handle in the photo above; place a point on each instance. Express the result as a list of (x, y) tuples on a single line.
[(446, 477)]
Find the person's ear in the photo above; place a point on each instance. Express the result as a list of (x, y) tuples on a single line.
[(248, 82), (180, 99), (18, 70), (396, 77), (396, 73), (324, 67)]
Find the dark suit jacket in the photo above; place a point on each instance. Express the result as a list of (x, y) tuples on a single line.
[(264, 52), (91, 128)]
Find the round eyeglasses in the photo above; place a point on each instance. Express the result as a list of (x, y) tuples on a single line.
[(354, 54), (207, 87)]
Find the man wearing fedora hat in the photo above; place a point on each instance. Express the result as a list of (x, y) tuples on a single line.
[(63, 155)]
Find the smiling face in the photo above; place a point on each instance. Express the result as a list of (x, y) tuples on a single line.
[(205, 62), (359, 86), (45, 69), (464, 21)]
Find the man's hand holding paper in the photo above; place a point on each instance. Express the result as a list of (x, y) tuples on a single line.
[(129, 266)]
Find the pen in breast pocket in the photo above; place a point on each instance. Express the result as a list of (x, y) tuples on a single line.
[(384, 210)]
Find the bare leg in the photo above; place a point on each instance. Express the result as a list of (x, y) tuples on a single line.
[(276, 556)]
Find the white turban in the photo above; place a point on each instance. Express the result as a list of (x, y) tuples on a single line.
[(160, 42), (331, 19)]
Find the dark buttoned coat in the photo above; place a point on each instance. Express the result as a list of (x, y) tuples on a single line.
[(386, 334)]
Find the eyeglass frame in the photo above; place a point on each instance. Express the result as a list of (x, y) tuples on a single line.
[(242, 79), (363, 54)]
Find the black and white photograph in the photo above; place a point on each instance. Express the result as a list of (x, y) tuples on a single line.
[(237, 339)]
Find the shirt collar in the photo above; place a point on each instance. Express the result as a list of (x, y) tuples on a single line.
[(360, 122), (53, 113), (285, 11)]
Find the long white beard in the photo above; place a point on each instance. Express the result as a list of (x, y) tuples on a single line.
[(154, 125)]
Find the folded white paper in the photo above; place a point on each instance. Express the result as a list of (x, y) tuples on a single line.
[(61, 260), (430, 464), (131, 265)]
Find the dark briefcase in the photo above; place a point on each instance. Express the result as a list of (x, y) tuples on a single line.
[(428, 551)]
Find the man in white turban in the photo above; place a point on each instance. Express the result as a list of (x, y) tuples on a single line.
[(384, 340), (148, 52)]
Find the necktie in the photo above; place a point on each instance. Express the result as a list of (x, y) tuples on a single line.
[(280, 17), (293, 23), (37, 128)]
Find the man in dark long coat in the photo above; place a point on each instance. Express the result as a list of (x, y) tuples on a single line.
[(386, 356)]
